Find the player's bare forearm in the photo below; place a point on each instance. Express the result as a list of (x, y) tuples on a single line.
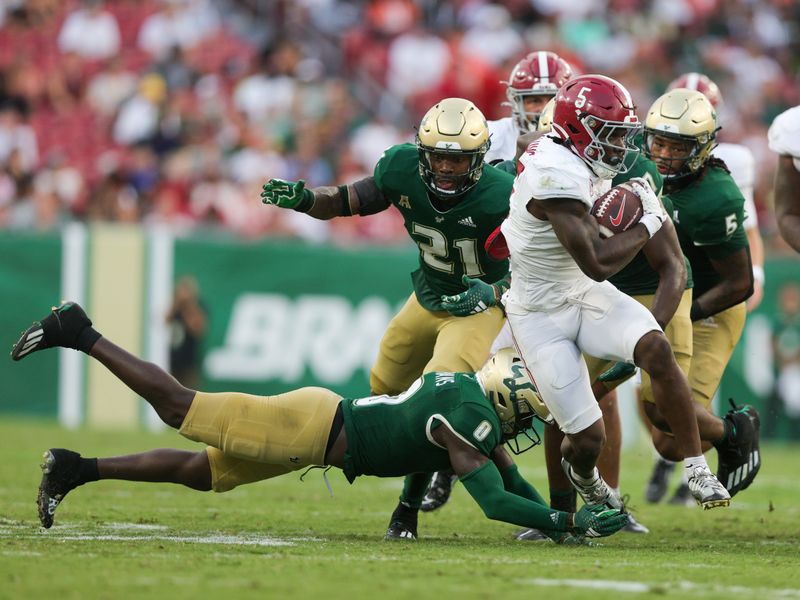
[(329, 202), (734, 287), (664, 254), (578, 232)]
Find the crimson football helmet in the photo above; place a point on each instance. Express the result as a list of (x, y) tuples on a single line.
[(596, 118), (538, 74), (699, 83)]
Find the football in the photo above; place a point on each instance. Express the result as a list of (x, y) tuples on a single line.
[(617, 210)]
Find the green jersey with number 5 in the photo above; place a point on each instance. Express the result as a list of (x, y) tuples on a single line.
[(391, 436), (451, 243), (708, 215)]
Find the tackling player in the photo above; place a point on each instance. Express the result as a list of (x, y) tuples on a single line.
[(450, 201), (443, 420), (784, 138)]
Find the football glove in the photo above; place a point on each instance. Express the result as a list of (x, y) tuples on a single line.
[(597, 520), (617, 372), (477, 298), (654, 213), (287, 194)]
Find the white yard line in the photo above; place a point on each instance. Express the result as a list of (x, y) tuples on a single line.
[(641, 587)]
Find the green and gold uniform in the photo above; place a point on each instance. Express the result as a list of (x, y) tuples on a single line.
[(709, 215), (422, 337), (391, 435), (640, 281), (252, 438)]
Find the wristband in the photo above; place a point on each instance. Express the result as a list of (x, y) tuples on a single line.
[(344, 194), (758, 274), (307, 203), (652, 223)]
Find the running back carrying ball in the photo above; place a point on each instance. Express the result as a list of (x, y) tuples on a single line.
[(617, 210)]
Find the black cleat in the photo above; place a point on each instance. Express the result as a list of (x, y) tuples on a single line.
[(60, 471), (739, 458), (398, 530), (62, 327), (439, 490), (403, 524), (659, 480)]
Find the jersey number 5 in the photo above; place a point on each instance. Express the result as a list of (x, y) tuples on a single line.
[(436, 248)]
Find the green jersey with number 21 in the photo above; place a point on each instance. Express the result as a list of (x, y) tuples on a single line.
[(451, 243)]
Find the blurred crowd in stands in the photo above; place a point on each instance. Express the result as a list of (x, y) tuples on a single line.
[(176, 111)]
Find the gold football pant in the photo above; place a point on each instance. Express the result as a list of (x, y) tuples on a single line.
[(419, 341), (251, 438)]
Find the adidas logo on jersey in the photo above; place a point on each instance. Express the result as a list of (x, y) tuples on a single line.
[(467, 221)]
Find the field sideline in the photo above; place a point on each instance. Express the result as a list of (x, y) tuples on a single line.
[(287, 538)]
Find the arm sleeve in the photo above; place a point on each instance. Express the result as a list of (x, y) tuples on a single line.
[(485, 484), (516, 484)]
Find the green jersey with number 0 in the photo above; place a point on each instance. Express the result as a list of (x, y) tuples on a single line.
[(709, 216), (451, 243), (390, 436)]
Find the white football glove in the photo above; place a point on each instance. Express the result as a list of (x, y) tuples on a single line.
[(654, 213)]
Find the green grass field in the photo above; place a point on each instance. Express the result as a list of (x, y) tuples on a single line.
[(291, 539)]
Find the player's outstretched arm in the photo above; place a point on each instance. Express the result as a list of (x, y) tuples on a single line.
[(360, 198)]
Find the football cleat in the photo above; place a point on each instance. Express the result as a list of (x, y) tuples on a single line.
[(633, 526), (439, 490), (659, 480), (531, 535), (399, 530), (595, 492), (706, 489), (59, 476), (739, 457), (61, 327)]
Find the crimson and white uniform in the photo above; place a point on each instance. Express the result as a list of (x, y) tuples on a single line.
[(742, 165), (503, 134), (554, 309), (784, 134)]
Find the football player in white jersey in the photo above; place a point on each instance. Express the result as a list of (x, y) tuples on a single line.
[(742, 164), (559, 303), (533, 82), (784, 138)]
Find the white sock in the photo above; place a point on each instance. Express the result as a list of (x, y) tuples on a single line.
[(583, 480), (690, 463)]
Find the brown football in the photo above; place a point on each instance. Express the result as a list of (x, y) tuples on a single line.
[(617, 210)]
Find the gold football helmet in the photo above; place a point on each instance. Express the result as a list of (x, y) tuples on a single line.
[(546, 116), (513, 394), (453, 126), (682, 115)]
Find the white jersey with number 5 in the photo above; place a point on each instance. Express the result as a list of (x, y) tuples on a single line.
[(545, 273)]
